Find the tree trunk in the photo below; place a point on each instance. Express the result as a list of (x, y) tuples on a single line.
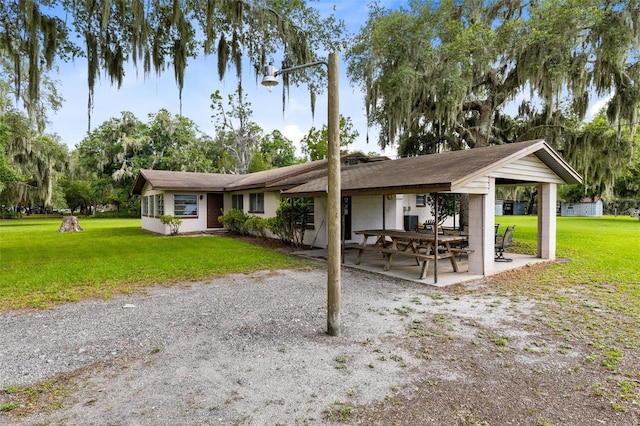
[(464, 211), (70, 224), (484, 126)]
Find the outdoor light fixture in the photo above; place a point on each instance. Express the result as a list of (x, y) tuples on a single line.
[(270, 79), (333, 183)]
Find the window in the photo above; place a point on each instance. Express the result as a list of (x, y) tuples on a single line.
[(159, 205), (256, 203), (185, 205), (237, 202), (151, 205), (310, 202), (145, 206), (421, 200)]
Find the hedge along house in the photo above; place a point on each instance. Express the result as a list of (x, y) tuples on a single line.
[(376, 194), (371, 190)]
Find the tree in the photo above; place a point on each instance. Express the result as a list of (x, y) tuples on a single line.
[(174, 144), (315, 145), (439, 75), (150, 35), (111, 149), (277, 150), (235, 130), (33, 161), (78, 195), (8, 174)]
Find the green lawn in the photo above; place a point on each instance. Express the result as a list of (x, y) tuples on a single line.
[(600, 258), (40, 267), (601, 249)]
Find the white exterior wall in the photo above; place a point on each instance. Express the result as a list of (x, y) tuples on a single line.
[(547, 220), (195, 224), (317, 237), (153, 224), (188, 225), (482, 232), (366, 213)]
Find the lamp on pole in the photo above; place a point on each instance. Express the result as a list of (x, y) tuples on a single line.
[(333, 185)]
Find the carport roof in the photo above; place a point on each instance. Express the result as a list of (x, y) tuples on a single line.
[(444, 172)]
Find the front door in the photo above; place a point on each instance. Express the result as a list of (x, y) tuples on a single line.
[(346, 218), (215, 204)]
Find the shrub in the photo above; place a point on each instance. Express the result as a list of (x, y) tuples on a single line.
[(234, 221), (173, 222), (290, 222), (257, 226)]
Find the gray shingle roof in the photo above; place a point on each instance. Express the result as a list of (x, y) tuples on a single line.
[(183, 181), (426, 173), (437, 172)]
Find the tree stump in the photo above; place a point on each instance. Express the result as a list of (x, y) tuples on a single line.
[(70, 224)]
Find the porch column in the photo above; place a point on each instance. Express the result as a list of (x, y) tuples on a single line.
[(547, 220), (482, 231)]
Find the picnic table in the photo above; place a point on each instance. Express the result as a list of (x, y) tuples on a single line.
[(419, 245)]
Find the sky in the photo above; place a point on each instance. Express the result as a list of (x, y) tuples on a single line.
[(144, 96)]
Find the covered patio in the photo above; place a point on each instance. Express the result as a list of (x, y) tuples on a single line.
[(406, 269), (475, 172)]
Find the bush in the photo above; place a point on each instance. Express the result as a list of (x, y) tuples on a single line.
[(173, 222), (256, 226), (234, 221), (290, 222)]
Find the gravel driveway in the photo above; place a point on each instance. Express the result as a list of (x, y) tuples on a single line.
[(246, 349), (252, 350)]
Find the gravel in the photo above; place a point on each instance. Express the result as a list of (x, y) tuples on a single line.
[(249, 349)]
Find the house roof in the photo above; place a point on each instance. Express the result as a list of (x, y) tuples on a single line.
[(218, 182), (273, 179), (444, 172), (182, 181)]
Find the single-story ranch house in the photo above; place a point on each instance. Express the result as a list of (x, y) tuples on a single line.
[(377, 193)]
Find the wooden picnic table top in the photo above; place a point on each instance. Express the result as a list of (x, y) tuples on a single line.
[(412, 242), (408, 235)]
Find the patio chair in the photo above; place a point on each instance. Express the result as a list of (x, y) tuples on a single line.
[(503, 243)]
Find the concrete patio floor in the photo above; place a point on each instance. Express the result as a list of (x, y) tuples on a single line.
[(406, 268)]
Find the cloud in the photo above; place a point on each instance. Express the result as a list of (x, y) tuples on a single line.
[(597, 106)]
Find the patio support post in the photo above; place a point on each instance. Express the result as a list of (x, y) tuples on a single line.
[(482, 231), (547, 220)]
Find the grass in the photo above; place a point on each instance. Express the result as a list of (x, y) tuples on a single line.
[(591, 296), (604, 247), (40, 267), (600, 252)]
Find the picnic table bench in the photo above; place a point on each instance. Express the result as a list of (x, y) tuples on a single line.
[(418, 245)]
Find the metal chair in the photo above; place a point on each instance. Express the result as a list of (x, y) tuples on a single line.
[(503, 243)]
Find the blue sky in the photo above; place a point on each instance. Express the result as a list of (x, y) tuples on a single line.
[(146, 96)]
